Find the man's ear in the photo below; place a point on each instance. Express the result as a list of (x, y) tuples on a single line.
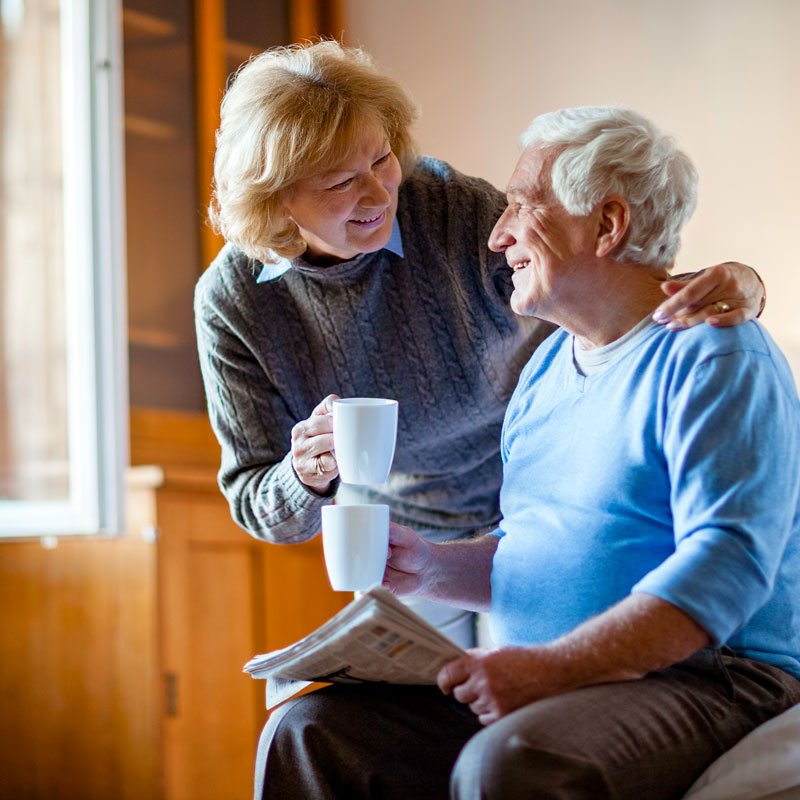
[(614, 222)]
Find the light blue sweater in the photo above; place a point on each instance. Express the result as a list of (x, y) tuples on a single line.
[(674, 470)]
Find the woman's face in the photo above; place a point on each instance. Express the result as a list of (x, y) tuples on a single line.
[(349, 209)]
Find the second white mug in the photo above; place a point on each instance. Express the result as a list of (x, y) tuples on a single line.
[(355, 540), (364, 436)]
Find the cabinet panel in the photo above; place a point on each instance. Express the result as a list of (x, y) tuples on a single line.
[(212, 601), (223, 597), (163, 214), (78, 671)]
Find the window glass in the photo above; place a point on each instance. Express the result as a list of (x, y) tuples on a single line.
[(33, 409), (60, 433)]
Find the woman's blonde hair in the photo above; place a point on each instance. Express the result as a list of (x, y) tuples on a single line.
[(289, 113)]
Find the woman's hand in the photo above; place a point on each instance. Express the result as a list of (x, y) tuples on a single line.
[(312, 448), (722, 295)]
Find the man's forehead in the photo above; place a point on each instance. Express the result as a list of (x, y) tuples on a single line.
[(531, 176)]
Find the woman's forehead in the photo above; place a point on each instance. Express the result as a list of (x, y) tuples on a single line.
[(364, 147)]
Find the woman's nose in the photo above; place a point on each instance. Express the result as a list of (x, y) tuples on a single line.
[(374, 193)]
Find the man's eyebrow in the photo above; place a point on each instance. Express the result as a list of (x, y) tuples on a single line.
[(518, 192)]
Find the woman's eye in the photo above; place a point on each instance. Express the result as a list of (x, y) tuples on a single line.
[(342, 185), (383, 159)]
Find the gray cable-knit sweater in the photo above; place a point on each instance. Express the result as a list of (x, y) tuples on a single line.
[(431, 329)]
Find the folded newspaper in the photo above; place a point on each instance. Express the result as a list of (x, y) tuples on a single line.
[(374, 638)]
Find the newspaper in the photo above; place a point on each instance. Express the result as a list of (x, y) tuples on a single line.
[(374, 638)]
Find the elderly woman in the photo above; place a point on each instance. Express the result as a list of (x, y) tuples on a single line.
[(354, 268)]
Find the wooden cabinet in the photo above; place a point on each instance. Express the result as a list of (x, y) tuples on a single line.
[(178, 56), (163, 218), (121, 659), (222, 597)]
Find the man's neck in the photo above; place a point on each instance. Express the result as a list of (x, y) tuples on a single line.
[(621, 297)]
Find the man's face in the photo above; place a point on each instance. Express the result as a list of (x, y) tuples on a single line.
[(544, 245)]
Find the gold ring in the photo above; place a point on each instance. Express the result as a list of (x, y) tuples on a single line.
[(722, 306), (318, 468)]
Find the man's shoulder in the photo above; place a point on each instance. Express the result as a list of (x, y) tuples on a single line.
[(746, 347), (703, 342)]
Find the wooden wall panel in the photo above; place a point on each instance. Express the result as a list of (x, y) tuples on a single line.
[(78, 673)]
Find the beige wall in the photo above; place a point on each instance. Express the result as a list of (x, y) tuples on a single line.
[(721, 75)]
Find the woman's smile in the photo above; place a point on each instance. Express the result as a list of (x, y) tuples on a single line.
[(370, 222)]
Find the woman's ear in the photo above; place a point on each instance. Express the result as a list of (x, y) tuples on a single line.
[(614, 222)]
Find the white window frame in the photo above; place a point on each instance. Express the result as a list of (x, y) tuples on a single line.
[(94, 250)]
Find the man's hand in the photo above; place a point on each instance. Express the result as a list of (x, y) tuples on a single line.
[(409, 561), (456, 572), (705, 297), (494, 683), (640, 634)]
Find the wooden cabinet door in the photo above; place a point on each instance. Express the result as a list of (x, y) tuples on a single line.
[(223, 597)]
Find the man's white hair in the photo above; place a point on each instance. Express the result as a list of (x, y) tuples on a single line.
[(608, 150)]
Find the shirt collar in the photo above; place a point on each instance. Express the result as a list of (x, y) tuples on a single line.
[(395, 243), (271, 271)]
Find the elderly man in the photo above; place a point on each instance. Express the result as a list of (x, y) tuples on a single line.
[(644, 583)]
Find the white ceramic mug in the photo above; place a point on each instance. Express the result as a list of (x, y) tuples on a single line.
[(364, 435), (355, 540)]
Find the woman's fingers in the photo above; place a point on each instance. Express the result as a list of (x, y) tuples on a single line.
[(326, 406), (685, 298), (312, 447), (722, 295)]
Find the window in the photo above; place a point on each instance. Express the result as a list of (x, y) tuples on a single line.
[(63, 371)]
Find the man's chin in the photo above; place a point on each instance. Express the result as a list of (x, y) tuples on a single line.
[(521, 308)]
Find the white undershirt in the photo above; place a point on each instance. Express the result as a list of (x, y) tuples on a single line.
[(594, 360)]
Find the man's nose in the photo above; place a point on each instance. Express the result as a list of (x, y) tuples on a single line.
[(500, 238)]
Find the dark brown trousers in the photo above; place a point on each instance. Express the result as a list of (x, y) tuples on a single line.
[(639, 740)]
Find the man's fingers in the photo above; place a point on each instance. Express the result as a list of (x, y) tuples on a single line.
[(452, 674), (466, 694)]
